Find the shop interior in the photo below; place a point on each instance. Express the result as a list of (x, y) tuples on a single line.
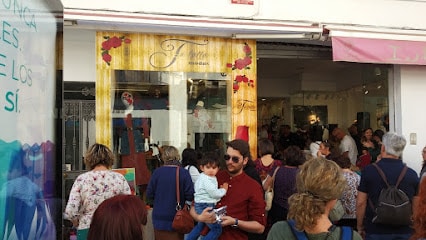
[(300, 85)]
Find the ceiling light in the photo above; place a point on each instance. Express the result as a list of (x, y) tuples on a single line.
[(364, 89)]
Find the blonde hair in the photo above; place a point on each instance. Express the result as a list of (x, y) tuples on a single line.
[(319, 181), (98, 154), (170, 153)]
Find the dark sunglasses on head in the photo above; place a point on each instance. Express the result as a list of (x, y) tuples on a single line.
[(234, 158)]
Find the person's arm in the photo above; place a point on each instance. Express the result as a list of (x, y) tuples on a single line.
[(188, 186), (72, 209), (210, 186), (256, 213), (314, 148), (414, 203), (248, 226), (345, 154), (267, 182), (206, 216), (193, 171), (361, 204)]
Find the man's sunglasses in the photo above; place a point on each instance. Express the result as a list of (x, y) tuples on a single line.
[(234, 158)]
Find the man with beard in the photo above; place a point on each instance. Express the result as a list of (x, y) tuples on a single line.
[(245, 206)]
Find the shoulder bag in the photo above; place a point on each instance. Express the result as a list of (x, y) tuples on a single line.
[(182, 222), (269, 194)]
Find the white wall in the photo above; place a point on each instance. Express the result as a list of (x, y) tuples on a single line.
[(79, 55), (413, 114), (389, 13), (384, 13)]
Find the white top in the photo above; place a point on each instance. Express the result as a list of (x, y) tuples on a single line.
[(348, 145), (314, 147), (193, 171), (206, 190), (89, 190)]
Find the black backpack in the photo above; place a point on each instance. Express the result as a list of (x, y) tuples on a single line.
[(393, 206)]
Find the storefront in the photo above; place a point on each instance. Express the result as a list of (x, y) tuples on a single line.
[(180, 100), (181, 91)]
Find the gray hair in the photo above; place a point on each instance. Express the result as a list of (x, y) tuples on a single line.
[(394, 144), (170, 153)]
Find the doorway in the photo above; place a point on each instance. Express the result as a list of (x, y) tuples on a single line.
[(303, 86)]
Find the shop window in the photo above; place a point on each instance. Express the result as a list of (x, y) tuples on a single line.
[(169, 108)]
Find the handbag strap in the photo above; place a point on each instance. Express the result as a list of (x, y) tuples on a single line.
[(273, 176), (178, 207)]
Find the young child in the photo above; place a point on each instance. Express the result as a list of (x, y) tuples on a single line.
[(207, 194)]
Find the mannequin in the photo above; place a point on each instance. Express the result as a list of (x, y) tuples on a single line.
[(128, 101), (204, 120), (131, 147)]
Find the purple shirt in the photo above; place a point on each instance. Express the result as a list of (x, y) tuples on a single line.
[(284, 185)]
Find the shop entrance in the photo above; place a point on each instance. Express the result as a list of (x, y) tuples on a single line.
[(300, 86)]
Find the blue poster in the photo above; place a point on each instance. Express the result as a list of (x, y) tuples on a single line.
[(28, 30)]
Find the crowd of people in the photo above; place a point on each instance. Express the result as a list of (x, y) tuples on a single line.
[(325, 195), (363, 145)]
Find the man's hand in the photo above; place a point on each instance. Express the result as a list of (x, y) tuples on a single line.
[(206, 216), (227, 221)]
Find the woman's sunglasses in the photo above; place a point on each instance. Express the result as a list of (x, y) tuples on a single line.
[(234, 158)]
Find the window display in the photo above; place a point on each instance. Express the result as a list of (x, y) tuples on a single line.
[(149, 110)]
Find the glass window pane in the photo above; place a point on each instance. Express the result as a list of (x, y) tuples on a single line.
[(168, 108)]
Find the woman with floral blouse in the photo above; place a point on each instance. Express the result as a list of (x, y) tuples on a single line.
[(350, 193), (90, 189)]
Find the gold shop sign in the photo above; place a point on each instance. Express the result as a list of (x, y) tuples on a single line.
[(163, 53)]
